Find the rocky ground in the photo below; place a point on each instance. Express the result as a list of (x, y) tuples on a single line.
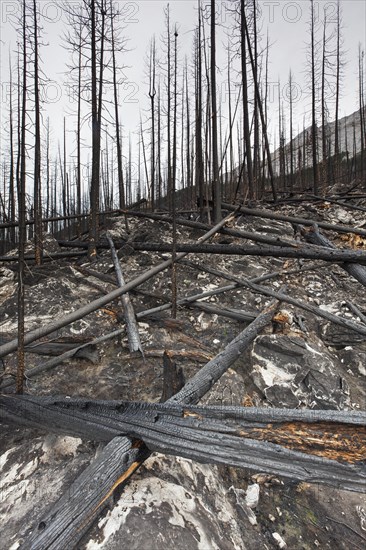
[(302, 361)]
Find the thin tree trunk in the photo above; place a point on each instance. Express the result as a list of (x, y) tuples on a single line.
[(337, 92), (152, 94), (37, 196), (198, 123), (22, 215), (291, 138), (174, 176), (215, 160), (314, 134), (11, 174), (121, 187), (248, 147)]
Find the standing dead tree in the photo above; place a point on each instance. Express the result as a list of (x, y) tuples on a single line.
[(37, 196), (22, 210), (93, 35), (314, 130), (121, 187), (215, 160), (152, 94)]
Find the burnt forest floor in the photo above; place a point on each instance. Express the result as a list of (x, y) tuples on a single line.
[(301, 361)]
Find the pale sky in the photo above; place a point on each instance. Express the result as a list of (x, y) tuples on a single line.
[(287, 23)]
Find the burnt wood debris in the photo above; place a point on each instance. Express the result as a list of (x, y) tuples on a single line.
[(325, 447), (182, 278)]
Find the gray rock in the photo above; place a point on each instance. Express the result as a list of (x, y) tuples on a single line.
[(291, 372)]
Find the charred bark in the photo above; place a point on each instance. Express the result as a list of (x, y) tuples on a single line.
[(134, 342), (302, 251), (324, 447), (173, 377), (314, 237), (266, 214), (96, 304), (63, 526)]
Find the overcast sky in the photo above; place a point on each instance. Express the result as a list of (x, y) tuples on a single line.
[(287, 23)]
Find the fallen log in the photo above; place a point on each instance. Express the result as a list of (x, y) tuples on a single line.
[(100, 302), (338, 203), (74, 216), (357, 312), (306, 252), (326, 447), (313, 236), (133, 336), (75, 352), (193, 301), (238, 233), (47, 257), (56, 348), (71, 516), (359, 328), (78, 351), (235, 314), (266, 214)]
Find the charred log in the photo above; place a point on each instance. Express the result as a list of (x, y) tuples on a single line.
[(314, 237), (266, 214), (318, 446), (71, 516)]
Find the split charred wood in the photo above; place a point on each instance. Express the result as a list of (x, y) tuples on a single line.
[(266, 214), (57, 348), (327, 447), (102, 301), (313, 236), (173, 377), (71, 516), (134, 342)]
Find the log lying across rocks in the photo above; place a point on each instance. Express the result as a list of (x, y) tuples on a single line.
[(316, 446), (314, 237), (71, 516)]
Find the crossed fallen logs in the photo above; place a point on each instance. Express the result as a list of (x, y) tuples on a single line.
[(317, 446), (326, 447)]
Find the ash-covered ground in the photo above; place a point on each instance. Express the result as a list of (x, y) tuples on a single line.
[(301, 361)]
